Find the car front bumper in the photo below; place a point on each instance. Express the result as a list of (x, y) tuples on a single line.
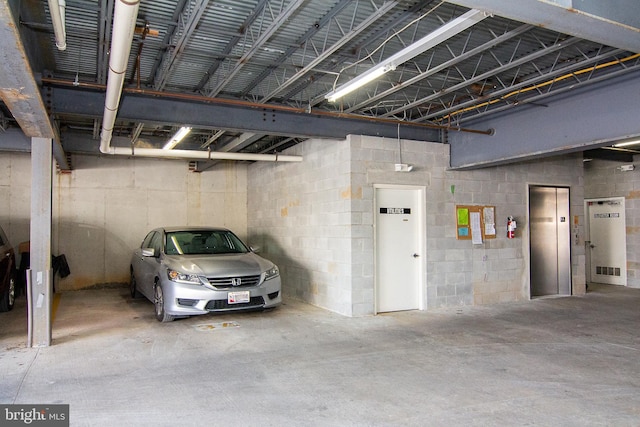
[(188, 300)]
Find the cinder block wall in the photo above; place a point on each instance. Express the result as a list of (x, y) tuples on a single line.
[(316, 219), (103, 209), (458, 272), (300, 214), (604, 179)]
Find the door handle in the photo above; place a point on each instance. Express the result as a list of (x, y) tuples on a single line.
[(416, 255)]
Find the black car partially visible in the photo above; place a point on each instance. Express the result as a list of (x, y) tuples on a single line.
[(7, 273)]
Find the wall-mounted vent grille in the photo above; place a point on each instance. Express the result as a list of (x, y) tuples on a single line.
[(608, 271)]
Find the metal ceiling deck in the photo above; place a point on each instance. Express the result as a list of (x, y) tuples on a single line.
[(293, 52)]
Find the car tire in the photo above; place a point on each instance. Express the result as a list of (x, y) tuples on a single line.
[(133, 286), (158, 302), (7, 300)]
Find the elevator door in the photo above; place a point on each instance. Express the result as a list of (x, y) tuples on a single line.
[(549, 235)]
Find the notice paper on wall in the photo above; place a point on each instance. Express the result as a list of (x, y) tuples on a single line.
[(489, 221), (476, 231)]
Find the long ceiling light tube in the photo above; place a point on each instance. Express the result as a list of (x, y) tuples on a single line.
[(124, 24), (627, 143), (175, 139), (431, 40), (57, 10)]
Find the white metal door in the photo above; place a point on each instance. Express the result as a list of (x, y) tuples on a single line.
[(399, 257), (606, 241)]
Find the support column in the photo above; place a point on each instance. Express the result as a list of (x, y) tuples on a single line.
[(40, 277)]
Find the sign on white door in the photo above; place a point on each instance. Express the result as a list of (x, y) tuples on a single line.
[(399, 253), (607, 241)]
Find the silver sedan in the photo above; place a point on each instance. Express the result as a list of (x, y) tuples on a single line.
[(188, 271)]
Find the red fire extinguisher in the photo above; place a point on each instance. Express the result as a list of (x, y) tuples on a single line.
[(511, 227)]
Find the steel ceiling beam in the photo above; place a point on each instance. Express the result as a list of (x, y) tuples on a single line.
[(542, 86), (616, 26), (175, 52), (257, 44), (234, 116), (301, 41), (483, 76), (230, 46), (441, 67), (354, 32), (584, 119), (18, 88), (328, 50)]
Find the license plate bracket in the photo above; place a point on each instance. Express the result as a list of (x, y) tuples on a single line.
[(238, 297)]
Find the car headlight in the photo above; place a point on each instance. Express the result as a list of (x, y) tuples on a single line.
[(271, 273), (176, 276)]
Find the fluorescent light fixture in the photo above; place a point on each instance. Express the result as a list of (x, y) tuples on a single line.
[(438, 36), (356, 83), (627, 143), (175, 139)]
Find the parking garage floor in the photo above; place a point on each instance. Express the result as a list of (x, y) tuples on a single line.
[(572, 361)]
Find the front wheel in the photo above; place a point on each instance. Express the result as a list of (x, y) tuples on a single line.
[(158, 301), (133, 286), (9, 298)]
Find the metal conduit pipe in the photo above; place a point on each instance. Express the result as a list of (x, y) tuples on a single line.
[(124, 24), (57, 10), (206, 155)]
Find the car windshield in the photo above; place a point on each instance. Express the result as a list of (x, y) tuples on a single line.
[(201, 242)]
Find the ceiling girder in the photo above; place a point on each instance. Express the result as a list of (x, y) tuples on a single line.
[(230, 46), (192, 19), (588, 118), (330, 50), (438, 68), (239, 117), (354, 32), (257, 44), (483, 76), (18, 88), (545, 86), (598, 21)]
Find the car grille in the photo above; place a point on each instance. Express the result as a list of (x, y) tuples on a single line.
[(222, 304), (228, 282)]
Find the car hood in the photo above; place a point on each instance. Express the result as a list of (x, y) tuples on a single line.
[(223, 265)]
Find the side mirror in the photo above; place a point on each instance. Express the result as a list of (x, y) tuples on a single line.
[(255, 249), (149, 252)]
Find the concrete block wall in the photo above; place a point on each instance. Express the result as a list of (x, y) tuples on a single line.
[(300, 216), (15, 196), (604, 178), (458, 272), (103, 209)]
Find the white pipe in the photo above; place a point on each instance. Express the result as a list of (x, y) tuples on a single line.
[(57, 9), (124, 24), (207, 155)]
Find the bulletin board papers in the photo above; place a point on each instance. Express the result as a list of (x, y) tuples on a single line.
[(475, 223), (476, 230)]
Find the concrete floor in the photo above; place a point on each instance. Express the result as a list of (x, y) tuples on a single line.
[(551, 362)]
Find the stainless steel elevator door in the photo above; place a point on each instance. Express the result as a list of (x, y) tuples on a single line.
[(549, 235)]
